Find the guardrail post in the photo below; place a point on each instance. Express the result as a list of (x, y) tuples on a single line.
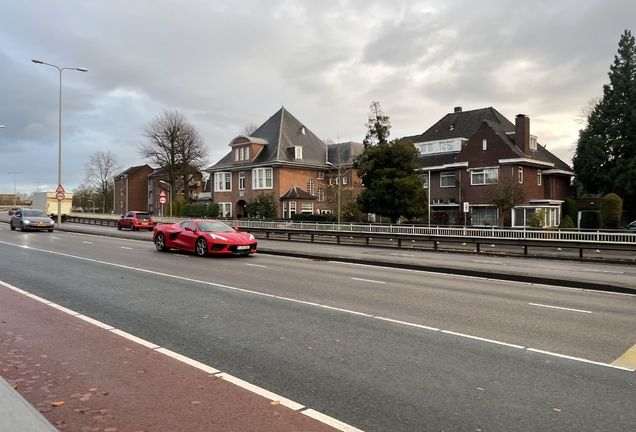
[(478, 247), (399, 243), (289, 236), (581, 253), (435, 244), (525, 250), (367, 240), (267, 235), (312, 238), (338, 239)]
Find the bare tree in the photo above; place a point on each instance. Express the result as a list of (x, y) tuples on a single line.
[(100, 170), (248, 129), (82, 194), (175, 145), (506, 194), (585, 112)]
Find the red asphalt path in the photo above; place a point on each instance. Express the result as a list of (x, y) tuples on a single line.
[(112, 384)]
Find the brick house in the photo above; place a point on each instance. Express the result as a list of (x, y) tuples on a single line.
[(131, 189), (282, 157), (467, 151), (158, 180)]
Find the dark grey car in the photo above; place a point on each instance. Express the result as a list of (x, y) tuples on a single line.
[(31, 219)]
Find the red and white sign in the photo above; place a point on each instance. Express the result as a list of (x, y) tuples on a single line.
[(60, 196), (60, 189), (162, 200)]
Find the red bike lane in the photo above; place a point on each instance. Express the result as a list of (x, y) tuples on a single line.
[(82, 377)]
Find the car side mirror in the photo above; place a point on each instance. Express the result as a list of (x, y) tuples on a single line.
[(189, 228), (236, 228)]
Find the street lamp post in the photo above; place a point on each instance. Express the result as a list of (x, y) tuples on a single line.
[(91, 201), (170, 202), (59, 157), (15, 190)]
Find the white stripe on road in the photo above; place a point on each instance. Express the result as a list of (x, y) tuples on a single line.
[(561, 308), (256, 265), (330, 421), (368, 280), (87, 242), (482, 339), (128, 248), (187, 360), (261, 391), (603, 271), (577, 359)]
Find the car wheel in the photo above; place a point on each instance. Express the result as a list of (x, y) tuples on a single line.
[(12, 227), (132, 227), (21, 226), (50, 230), (160, 243), (118, 226), (151, 229), (202, 247)]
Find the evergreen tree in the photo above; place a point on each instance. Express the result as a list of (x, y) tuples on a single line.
[(388, 171), (605, 159)]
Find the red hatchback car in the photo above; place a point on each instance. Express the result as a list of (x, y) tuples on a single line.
[(136, 220), (204, 236)]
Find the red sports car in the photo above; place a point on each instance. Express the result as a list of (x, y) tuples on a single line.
[(204, 237)]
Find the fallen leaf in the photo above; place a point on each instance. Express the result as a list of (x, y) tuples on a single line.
[(276, 402), (92, 389), (15, 386), (309, 348), (556, 409), (195, 403), (479, 388), (5, 321), (6, 369), (105, 393), (60, 403)]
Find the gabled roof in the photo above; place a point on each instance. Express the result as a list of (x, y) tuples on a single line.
[(282, 132), (462, 124), (344, 153), (130, 171), (296, 192)]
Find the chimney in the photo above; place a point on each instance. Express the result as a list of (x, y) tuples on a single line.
[(458, 109), (522, 133)]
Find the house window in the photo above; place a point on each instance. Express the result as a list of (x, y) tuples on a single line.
[(262, 178), (121, 192), (292, 208), (284, 209), (533, 142), (447, 146), (344, 180), (447, 179), (242, 180), (242, 153), (425, 181), (321, 195), (484, 144), (121, 204), (485, 216), (236, 154), (520, 175), (247, 153), (299, 152), (307, 207), (310, 186), (539, 179), (484, 176), (182, 191), (222, 181), (320, 175), (225, 209)]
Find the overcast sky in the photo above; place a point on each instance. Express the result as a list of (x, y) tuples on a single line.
[(225, 64)]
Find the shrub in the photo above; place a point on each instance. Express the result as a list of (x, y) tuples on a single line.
[(590, 220), (195, 210), (537, 220), (309, 217), (611, 211), (570, 208), (566, 223)]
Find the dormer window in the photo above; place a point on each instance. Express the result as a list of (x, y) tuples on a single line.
[(247, 153), (298, 152), (533, 142)]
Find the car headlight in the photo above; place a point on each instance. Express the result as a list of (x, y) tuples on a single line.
[(26, 221), (217, 237)]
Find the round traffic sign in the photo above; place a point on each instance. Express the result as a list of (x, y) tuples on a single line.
[(162, 200), (60, 196)]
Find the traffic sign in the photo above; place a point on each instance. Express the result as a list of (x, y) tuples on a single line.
[(60, 189), (162, 194), (162, 199), (60, 196), (466, 207)]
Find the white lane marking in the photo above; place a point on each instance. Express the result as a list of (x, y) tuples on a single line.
[(272, 296), (125, 247), (63, 309), (56, 238), (407, 323), (95, 322), (135, 339), (330, 421), (256, 265), (486, 262), (402, 255), (188, 360), (180, 256), (261, 391), (577, 359), (602, 271), (87, 242), (368, 280), (482, 339), (561, 308)]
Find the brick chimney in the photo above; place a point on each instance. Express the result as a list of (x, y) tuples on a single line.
[(522, 133), (458, 109)]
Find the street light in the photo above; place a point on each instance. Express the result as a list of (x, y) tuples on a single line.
[(59, 157), (170, 202), (91, 201), (15, 190)]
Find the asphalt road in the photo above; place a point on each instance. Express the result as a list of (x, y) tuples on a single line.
[(381, 349)]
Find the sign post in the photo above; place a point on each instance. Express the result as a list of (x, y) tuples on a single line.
[(162, 200), (466, 210)]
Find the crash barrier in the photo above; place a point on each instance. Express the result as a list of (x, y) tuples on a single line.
[(425, 236), (16, 414)]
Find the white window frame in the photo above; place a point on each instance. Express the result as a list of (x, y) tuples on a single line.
[(484, 144), (344, 180), (310, 186), (223, 181), (320, 175), (484, 172), (236, 154), (539, 178), (292, 208), (242, 153), (298, 152), (445, 176), (225, 209), (284, 209), (520, 175), (307, 207), (241, 180), (424, 181), (321, 195), (262, 178)]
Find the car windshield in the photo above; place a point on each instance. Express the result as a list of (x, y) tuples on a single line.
[(143, 216), (33, 213), (214, 227)]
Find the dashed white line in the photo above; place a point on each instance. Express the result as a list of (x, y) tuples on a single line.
[(127, 248), (603, 271), (560, 308), (482, 339), (256, 265), (87, 242), (368, 280), (577, 359)]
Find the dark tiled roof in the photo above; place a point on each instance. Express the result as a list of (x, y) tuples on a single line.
[(295, 192), (462, 124), (436, 159), (282, 131), (130, 171), (344, 153)]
